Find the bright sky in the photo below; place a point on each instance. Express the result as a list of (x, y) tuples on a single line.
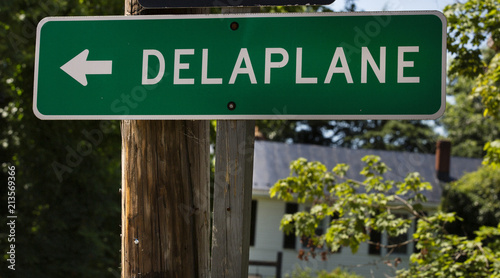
[(394, 5)]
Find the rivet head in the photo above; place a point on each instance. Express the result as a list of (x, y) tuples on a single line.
[(231, 105), (234, 26)]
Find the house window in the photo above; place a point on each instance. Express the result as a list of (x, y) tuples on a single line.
[(375, 238), (402, 249), (376, 241), (391, 240), (252, 222), (289, 241)]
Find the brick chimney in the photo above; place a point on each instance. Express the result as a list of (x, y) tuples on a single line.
[(443, 152)]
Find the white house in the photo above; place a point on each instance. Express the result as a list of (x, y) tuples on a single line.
[(271, 163)]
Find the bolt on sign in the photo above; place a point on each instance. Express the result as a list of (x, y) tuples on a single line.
[(387, 65)]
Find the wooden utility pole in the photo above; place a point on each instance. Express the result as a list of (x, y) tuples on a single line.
[(232, 198), (165, 195), (232, 191), (165, 199)]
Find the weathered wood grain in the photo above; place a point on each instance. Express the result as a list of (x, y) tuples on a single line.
[(232, 198), (165, 203), (232, 192)]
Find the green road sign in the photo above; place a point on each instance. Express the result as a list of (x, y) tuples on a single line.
[(258, 66)]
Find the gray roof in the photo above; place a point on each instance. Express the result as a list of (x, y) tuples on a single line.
[(272, 160)]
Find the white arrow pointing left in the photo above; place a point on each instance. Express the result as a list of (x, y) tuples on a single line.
[(79, 67)]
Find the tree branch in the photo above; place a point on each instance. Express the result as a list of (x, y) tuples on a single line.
[(410, 208), (407, 205), (392, 246)]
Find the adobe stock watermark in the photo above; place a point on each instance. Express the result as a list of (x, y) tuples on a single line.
[(28, 30), (364, 36), (11, 216), (128, 102)]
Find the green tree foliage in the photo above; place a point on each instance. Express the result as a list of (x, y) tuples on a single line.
[(492, 156), (474, 198), (410, 136), (475, 74), (472, 25), (464, 122), (359, 207), (67, 172), (310, 273)]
